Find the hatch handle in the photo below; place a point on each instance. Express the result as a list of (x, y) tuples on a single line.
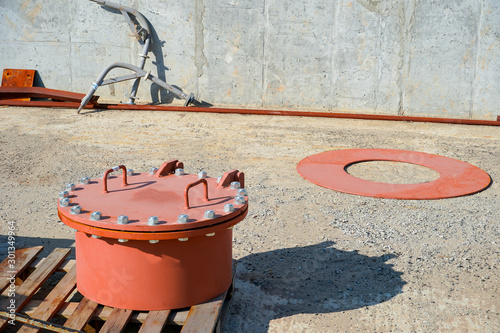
[(116, 168), (193, 184)]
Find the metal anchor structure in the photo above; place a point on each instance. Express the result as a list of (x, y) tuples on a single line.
[(143, 35)]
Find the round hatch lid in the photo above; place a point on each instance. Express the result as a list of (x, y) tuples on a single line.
[(163, 200)]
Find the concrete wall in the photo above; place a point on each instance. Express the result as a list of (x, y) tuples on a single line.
[(412, 57)]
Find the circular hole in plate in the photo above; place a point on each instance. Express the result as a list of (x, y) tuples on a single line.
[(392, 172)]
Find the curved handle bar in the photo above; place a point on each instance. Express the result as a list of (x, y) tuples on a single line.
[(186, 191), (116, 168)]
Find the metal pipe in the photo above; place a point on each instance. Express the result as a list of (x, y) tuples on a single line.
[(143, 34)]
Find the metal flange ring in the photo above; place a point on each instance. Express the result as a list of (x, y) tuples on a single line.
[(456, 178)]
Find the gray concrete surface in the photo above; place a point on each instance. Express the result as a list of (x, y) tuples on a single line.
[(427, 57)]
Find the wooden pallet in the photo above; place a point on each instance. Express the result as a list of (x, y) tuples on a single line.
[(59, 312)]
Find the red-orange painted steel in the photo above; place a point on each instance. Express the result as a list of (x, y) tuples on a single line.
[(456, 178), (139, 275), (162, 265)]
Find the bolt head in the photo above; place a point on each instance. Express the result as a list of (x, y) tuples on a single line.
[(152, 171), (85, 180), (64, 202), (235, 185), (70, 187), (241, 192), (183, 218), (154, 241), (179, 172), (202, 174), (63, 194), (75, 210), (228, 208), (183, 239), (130, 172), (209, 214), (153, 220), (95, 216), (123, 240), (210, 234), (239, 200), (96, 236), (122, 219)]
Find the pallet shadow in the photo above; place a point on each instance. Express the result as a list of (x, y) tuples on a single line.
[(311, 279)]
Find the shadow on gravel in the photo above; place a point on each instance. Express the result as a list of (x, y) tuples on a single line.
[(48, 244), (312, 279)]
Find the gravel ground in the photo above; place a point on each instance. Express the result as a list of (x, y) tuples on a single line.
[(309, 259)]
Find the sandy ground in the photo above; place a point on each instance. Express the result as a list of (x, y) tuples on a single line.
[(309, 259)]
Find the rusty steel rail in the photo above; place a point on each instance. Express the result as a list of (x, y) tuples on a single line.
[(255, 112), (7, 93)]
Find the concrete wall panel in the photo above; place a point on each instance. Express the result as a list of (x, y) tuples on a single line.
[(424, 57)]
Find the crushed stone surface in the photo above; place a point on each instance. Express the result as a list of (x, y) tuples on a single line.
[(310, 259)]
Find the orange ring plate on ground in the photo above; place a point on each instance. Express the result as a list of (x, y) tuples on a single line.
[(457, 178)]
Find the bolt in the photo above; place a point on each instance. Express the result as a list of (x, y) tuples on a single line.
[(64, 202), (229, 208), (210, 234), (152, 171), (209, 214), (154, 241), (123, 240), (122, 219), (239, 200), (153, 220), (76, 210), (70, 187), (179, 172), (85, 180), (241, 192), (63, 194), (95, 216), (183, 239), (235, 185), (202, 174), (183, 218), (130, 172), (96, 236)]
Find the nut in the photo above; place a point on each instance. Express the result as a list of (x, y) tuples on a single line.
[(183, 218), (85, 180), (154, 241), (96, 236), (241, 192), (63, 194), (123, 240), (152, 171), (210, 234), (153, 220), (183, 239), (70, 187), (130, 172), (228, 208), (76, 210), (64, 202), (179, 172), (202, 174), (95, 216), (209, 214), (235, 185), (122, 219), (239, 200)]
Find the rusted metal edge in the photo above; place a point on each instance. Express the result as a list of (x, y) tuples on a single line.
[(7, 93), (360, 116)]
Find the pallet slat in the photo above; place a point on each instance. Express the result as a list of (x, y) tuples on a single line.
[(24, 257), (54, 300), (203, 317), (35, 280), (155, 321), (82, 314), (117, 321)]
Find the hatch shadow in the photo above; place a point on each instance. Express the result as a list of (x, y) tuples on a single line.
[(307, 280)]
